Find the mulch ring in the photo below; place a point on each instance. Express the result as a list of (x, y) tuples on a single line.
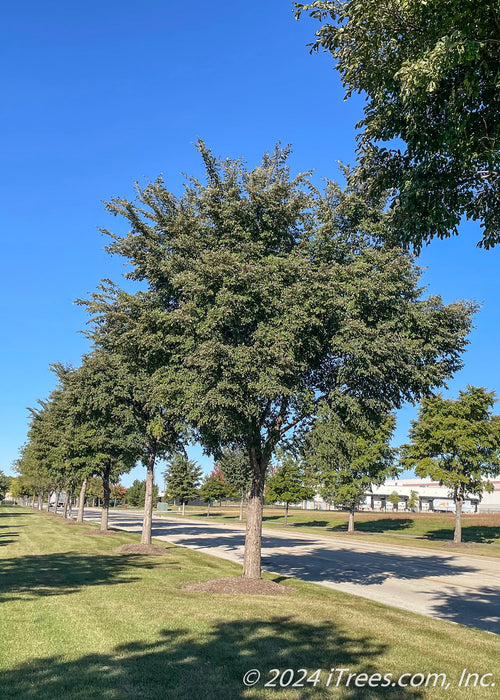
[(238, 585), (141, 549)]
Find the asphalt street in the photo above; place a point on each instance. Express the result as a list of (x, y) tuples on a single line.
[(449, 586)]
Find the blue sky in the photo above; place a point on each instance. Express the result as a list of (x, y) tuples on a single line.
[(100, 94)]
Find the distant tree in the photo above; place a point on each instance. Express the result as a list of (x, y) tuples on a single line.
[(99, 397), (32, 471), (394, 499), (237, 471), (212, 489), (94, 490), (136, 494), (182, 478), (348, 457), (128, 327), (456, 442), (413, 501), (4, 484), (430, 72), (287, 483), (118, 493)]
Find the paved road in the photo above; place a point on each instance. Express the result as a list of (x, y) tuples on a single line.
[(456, 587)]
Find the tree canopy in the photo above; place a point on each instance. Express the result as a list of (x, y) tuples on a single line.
[(5, 482), (264, 295), (347, 457), (431, 126), (456, 442)]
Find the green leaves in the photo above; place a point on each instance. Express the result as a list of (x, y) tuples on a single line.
[(431, 73), (182, 478), (264, 293), (456, 442), (287, 484), (346, 457)]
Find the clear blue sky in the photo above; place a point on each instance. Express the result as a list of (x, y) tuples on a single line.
[(99, 94)]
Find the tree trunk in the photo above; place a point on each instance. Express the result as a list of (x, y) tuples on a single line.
[(208, 509), (66, 503), (286, 513), (255, 506), (457, 537), (350, 525), (81, 501), (241, 507), (148, 498), (183, 507), (105, 501), (48, 502), (40, 500), (56, 504)]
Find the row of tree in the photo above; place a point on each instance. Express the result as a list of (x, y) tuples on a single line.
[(269, 309), (270, 315)]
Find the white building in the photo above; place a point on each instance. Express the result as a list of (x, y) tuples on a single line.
[(431, 496)]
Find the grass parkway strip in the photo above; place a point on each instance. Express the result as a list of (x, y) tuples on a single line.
[(81, 621)]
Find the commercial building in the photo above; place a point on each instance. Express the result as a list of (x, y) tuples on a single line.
[(431, 497)]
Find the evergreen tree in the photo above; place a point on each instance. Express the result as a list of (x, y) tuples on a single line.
[(414, 501), (182, 478), (136, 494)]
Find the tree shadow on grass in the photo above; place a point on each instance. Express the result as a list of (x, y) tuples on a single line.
[(480, 534), (39, 575), (3, 541), (380, 525), (314, 523), (180, 665)]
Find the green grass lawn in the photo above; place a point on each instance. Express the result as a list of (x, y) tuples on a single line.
[(480, 532), (80, 621)]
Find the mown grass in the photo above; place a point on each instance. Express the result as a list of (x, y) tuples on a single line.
[(480, 532), (79, 621)]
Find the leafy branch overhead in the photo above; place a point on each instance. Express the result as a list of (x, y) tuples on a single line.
[(431, 126)]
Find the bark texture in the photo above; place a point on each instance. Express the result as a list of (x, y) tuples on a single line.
[(148, 499), (255, 506), (66, 504), (106, 498), (350, 525), (81, 501), (241, 508), (457, 537)]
